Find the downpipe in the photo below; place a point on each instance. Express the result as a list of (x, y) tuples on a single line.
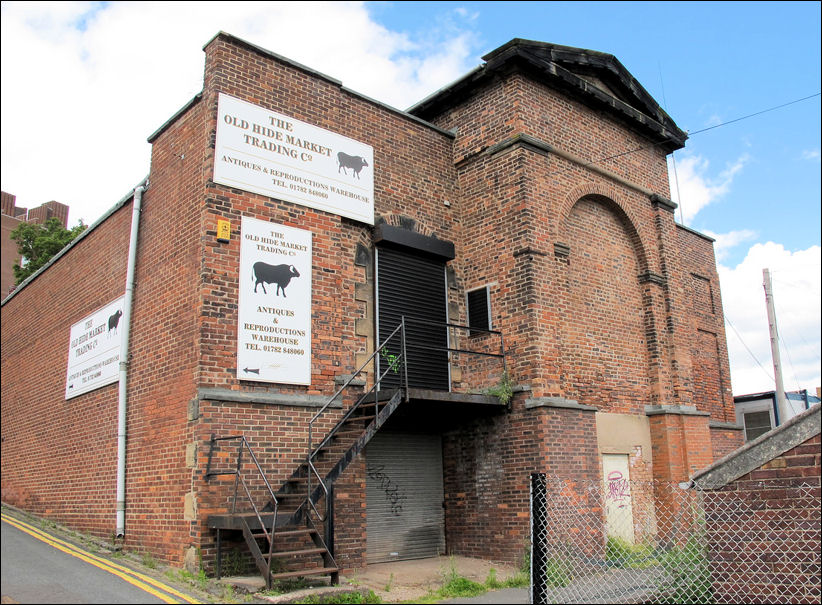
[(124, 362)]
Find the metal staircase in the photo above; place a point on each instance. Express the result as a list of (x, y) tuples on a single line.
[(291, 534)]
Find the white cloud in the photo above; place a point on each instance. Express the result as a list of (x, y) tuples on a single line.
[(694, 186), (811, 154), (797, 296), (725, 242), (85, 83)]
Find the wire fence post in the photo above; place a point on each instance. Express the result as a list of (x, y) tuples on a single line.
[(538, 531)]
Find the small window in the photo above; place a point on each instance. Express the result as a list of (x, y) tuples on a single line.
[(479, 310), (756, 424)]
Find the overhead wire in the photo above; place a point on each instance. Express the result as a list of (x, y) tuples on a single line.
[(782, 340), (690, 134), (744, 344), (673, 153)]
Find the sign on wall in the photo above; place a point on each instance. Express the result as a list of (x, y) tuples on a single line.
[(275, 155), (94, 350), (274, 315)]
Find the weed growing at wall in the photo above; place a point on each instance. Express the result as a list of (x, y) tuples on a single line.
[(688, 574), (149, 561), (394, 362), (504, 389), (232, 563), (621, 553)]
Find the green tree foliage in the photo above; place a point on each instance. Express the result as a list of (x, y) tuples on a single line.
[(37, 244)]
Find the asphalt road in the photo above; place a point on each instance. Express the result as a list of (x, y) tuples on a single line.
[(35, 571)]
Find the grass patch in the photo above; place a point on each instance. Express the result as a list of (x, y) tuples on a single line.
[(344, 597), (519, 580), (557, 573), (149, 561), (199, 579), (688, 575), (455, 586), (621, 553)]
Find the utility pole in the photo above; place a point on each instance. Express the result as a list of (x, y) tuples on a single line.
[(781, 401)]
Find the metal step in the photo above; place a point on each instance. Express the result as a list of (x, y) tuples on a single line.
[(359, 419), (297, 553), (314, 571), (292, 533)]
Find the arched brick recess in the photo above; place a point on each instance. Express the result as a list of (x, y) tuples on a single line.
[(610, 197), (606, 357)]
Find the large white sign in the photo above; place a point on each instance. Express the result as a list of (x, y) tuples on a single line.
[(94, 350), (274, 315), (270, 153)]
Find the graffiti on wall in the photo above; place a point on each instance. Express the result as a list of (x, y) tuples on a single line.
[(618, 489), (393, 491)]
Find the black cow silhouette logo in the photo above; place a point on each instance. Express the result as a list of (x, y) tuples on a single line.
[(113, 322), (354, 162), (263, 274)]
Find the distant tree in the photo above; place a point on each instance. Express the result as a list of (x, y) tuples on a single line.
[(37, 244)]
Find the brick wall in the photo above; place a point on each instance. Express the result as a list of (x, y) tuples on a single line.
[(764, 531), (711, 370), (58, 455)]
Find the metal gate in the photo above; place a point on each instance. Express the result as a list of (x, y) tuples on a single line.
[(404, 496)]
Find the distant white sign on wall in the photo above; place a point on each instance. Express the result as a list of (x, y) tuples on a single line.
[(94, 350), (275, 155), (274, 315)]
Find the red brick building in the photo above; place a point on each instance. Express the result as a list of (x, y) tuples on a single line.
[(529, 198), (13, 216)]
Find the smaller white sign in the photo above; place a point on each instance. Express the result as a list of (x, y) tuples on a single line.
[(94, 350), (274, 307)]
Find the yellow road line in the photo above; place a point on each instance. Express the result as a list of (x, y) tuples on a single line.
[(104, 564)]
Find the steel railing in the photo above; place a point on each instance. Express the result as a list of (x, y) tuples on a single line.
[(240, 479), (396, 362)]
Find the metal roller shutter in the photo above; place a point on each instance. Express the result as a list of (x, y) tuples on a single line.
[(404, 496), (414, 285)]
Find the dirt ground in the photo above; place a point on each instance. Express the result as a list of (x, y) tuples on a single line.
[(409, 580)]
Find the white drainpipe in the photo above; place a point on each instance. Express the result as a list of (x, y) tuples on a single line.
[(124, 351)]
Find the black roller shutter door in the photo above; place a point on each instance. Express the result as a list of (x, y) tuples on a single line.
[(414, 285)]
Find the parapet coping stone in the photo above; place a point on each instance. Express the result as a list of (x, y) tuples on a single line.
[(265, 398), (715, 424), (764, 448), (682, 410), (557, 402)]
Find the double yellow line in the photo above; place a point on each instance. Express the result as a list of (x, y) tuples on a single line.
[(150, 585)]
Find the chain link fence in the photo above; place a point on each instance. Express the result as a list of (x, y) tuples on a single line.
[(621, 541)]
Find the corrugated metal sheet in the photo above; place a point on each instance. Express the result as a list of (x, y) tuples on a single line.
[(414, 286), (404, 496)]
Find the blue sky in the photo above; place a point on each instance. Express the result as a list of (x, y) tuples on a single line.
[(84, 84)]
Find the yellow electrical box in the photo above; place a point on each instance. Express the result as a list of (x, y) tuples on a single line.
[(223, 230)]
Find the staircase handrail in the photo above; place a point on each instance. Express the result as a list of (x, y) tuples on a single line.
[(312, 452), (240, 479)]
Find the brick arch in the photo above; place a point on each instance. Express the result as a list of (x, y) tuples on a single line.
[(405, 222), (608, 197)]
